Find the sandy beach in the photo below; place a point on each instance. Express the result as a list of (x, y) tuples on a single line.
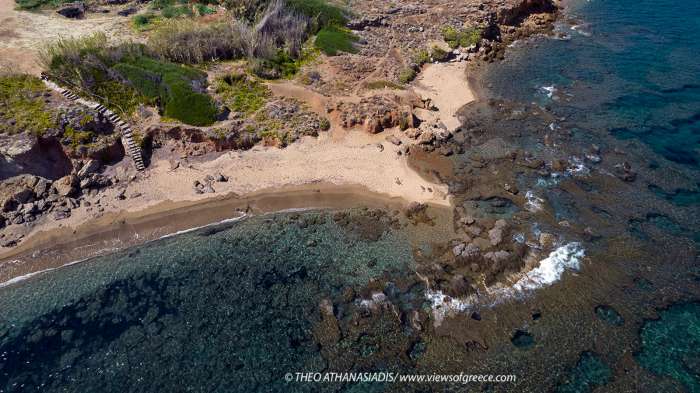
[(341, 168)]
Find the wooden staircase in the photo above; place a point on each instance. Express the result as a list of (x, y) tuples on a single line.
[(132, 148)]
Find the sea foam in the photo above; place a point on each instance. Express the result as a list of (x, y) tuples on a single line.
[(548, 271)]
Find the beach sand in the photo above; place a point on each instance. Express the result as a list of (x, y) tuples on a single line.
[(446, 85), (352, 167)]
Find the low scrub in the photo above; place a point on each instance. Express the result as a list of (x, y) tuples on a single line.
[(191, 42), (321, 12), (34, 4), (407, 75), (333, 39), (461, 37), (241, 93), (22, 107), (125, 76)]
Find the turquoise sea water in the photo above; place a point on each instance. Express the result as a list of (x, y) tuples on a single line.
[(233, 308), (629, 67)]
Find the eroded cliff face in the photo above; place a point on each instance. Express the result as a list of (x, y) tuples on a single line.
[(27, 154), (47, 157)]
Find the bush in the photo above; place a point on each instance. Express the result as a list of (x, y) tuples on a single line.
[(190, 42), (332, 40), (124, 76), (21, 101), (171, 85), (280, 66), (241, 93), (461, 37), (407, 75), (421, 57), (322, 13), (144, 22)]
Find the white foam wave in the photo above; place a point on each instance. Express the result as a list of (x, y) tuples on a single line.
[(534, 203), (224, 221), (549, 90), (551, 268), (548, 271)]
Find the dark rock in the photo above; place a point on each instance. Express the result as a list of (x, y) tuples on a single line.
[(394, 140), (73, 11), (127, 11), (61, 215)]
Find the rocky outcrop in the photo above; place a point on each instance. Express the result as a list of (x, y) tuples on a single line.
[(377, 113), (28, 154), (73, 11), (513, 12)]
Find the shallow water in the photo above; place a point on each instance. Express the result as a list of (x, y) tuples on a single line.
[(226, 308)]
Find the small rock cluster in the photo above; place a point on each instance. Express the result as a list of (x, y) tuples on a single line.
[(376, 113), (206, 186), (25, 198)]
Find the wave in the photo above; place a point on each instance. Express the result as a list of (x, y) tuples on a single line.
[(548, 271)]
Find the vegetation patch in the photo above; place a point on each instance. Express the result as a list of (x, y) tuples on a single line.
[(421, 57), (76, 138), (145, 22), (322, 13), (439, 54), (190, 42), (22, 107), (382, 84), (241, 93), (34, 4), (125, 76), (461, 37), (333, 39), (407, 75)]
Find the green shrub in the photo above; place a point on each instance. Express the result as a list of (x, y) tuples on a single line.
[(280, 66), (203, 9), (241, 93), (171, 84), (421, 57), (407, 74), (144, 22), (333, 39), (21, 100), (325, 124), (77, 138), (188, 106), (174, 11), (322, 13), (461, 37)]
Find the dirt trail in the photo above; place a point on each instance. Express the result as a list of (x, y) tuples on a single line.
[(23, 33)]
